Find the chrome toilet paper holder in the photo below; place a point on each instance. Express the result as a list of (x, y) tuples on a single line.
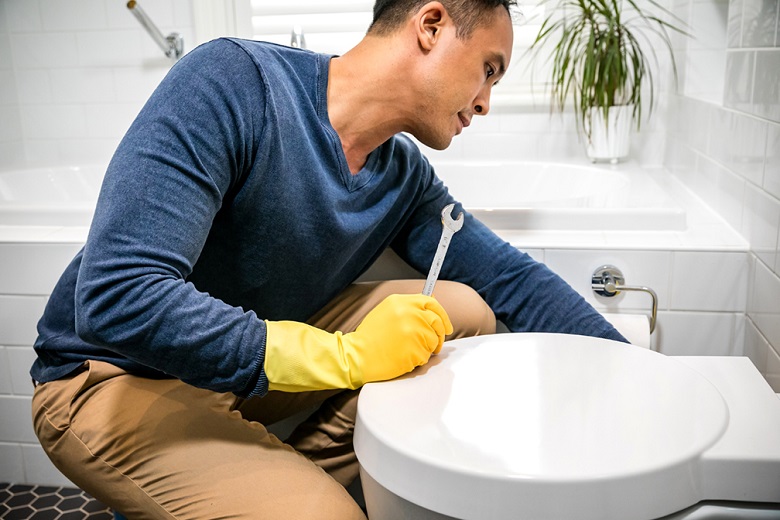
[(609, 281)]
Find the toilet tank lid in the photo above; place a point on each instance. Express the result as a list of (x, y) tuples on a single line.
[(543, 425)]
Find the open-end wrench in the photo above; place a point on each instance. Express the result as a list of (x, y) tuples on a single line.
[(450, 226)]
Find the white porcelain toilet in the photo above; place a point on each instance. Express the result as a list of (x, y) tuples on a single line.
[(551, 426)]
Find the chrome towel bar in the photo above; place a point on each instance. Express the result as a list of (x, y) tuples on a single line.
[(609, 281)]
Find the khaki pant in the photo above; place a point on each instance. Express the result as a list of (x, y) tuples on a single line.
[(162, 449)]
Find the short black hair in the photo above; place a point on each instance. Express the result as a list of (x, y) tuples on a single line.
[(466, 14)]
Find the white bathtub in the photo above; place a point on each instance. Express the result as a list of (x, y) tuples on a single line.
[(61, 196), (528, 195), (504, 195)]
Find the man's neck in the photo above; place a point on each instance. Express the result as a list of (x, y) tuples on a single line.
[(364, 103)]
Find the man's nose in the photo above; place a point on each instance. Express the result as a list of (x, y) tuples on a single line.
[(482, 101)]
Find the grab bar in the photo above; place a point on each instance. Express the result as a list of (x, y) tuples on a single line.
[(608, 281), (172, 45)]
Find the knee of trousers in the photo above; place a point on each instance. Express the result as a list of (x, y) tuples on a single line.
[(469, 313)]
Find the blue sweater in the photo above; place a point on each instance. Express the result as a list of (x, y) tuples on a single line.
[(229, 201)]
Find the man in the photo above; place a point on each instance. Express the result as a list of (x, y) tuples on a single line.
[(214, 294)]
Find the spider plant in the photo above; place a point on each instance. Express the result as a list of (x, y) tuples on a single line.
[(602, 55)]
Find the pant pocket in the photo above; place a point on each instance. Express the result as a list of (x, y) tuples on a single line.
[(55, 402)]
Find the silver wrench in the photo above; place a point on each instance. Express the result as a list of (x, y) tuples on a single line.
[(450, 226)]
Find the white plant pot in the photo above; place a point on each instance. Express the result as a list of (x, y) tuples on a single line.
[(610, 138)]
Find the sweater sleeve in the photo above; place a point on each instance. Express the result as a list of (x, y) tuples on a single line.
[(523, 293), (188, 147)]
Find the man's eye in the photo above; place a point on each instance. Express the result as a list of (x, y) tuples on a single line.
[(489, 71)]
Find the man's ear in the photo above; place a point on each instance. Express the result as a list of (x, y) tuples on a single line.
[(429, 21)]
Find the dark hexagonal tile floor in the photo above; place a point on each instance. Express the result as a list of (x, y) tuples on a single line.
[(20, 502)]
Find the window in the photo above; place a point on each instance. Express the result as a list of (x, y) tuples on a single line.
[(333, 27), (330, 27)]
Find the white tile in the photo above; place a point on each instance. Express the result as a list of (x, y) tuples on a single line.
[(772, 161), (76, 15), (11, 153), (11, 463), (756, 346), (136, 83), (44, 50), (20, 361), (760, 223), (34, 86), (764, 307), (759, 19), (704, 73), (118, 16), (679, 159), (41, 151), (777, 255), (773, 369), (738, 88), (39, 469), (697, 334), (6, 61), (483, 125), (8, 92), (87, 150), (648, 147), (709, 24), (5, 373), (110, 120), (734, 32), (747, 140), (11, 129), (22, 15), (725, 191), (33, 269), (701, 125), (640, 268), (498, 146), (558, 147), (161, 11), (738, 337), (83, 85), (125, 48), (709, 281), (182, 13), (54, 121), (16, 425), (718, 144), (19, 317), (766, 101)]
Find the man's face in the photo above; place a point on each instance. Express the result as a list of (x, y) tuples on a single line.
[(460, 76)]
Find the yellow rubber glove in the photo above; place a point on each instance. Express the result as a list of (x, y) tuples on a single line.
[(397, 335)]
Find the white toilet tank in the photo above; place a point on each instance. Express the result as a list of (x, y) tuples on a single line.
[(550, 426)]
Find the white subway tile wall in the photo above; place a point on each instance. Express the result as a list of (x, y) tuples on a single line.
[(728, 152), (73, 75)]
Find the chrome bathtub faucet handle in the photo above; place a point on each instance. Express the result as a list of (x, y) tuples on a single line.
[(450, 226)]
